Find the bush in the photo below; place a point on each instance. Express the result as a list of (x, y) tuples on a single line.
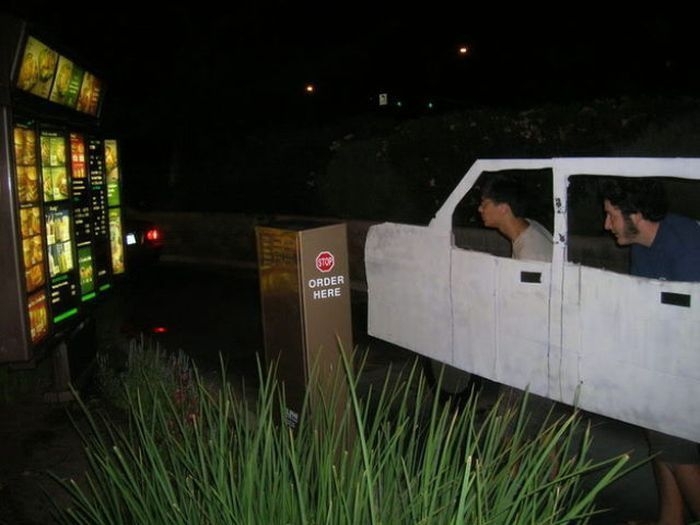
[(395, 456), (146, 365)]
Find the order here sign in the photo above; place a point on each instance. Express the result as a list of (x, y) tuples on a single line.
[(305, 295)]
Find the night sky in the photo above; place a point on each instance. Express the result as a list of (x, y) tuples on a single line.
[(254, 61), (241, 70)]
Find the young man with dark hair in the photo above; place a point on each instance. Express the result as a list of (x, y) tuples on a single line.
[(502, 207), (663, 246)]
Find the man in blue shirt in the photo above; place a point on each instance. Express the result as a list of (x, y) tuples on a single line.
[(663, 246)]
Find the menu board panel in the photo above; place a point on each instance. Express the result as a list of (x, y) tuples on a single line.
[(59, 239), (100, 218), (66, 87), (37, 68), (62, 268), (58, 222), (54, 169), (116, 241), (90, 93), (112, 169), (32, 247), (31, 228), (87, 275), (38, 316), (26, 163), (47, 74), (82, 215), (113, 182)]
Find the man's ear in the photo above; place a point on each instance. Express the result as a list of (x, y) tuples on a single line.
[(505, 208), (636, 218)]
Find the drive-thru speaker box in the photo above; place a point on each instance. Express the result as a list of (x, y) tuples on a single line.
[(306, 311)]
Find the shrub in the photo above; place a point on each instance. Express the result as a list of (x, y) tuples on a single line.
[(394, 456), (146, 366)]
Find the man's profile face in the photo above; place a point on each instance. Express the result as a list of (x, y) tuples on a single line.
[(491, 212), (620, 225)]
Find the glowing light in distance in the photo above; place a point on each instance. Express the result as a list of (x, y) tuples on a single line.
[(153, 234)]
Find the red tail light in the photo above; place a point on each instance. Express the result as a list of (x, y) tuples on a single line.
[(153, 235)]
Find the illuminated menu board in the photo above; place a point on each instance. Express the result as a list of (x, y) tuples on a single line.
[(63, 272), (31, 228), (100, 215), (90, 94), (112, 170), (54, 169), (57, 213), (116, 236), (37, 68), (66, 86), (82, 216), (116, 240), (46, 74)]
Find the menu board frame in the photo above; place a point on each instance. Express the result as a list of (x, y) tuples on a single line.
[(14, 320)]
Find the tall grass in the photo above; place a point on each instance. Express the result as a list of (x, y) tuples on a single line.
[(394, 456)]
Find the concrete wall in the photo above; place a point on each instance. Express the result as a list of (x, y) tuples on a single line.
[(229, 239)]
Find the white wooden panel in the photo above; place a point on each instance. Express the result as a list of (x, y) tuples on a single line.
[(565, 375), (522, 325), (501, 323), (474, 278), (408, 288), (639, 358)]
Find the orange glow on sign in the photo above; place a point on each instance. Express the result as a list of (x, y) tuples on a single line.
[(464, 50), (310, 88)]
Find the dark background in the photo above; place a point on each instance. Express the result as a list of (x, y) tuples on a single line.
[(211, 111)]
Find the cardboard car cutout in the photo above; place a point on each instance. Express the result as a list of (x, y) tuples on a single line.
[(579, 332)]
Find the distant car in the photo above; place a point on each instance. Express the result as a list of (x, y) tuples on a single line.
[(144, 243)]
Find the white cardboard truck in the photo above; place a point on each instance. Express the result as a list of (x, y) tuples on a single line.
[(578, 330)]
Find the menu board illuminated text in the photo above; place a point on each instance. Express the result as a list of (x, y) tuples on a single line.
[(82, 215), (98, 206)]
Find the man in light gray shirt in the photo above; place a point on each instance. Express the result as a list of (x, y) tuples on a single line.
[(502, 208)]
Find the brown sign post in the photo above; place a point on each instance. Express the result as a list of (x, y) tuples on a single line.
[(306, 312)]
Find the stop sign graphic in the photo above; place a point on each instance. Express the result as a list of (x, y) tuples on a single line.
[(325, 262)]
